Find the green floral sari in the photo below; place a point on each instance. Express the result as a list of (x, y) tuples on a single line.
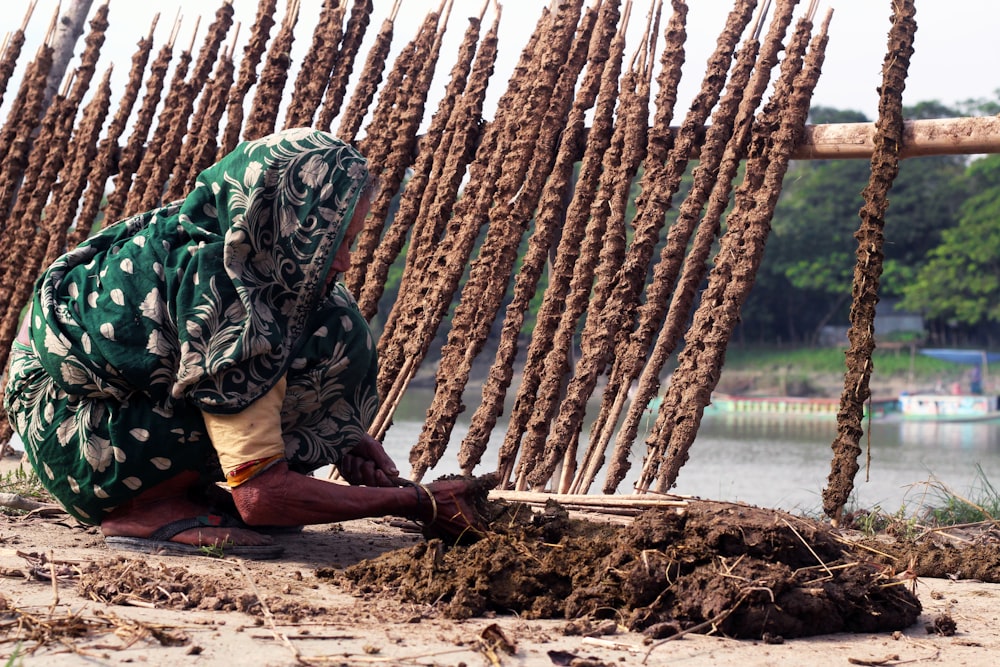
[(199, 306)]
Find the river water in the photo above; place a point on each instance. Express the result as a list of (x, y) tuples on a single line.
[(783, 462), (778, 462)]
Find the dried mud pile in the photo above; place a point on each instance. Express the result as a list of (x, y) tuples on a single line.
[(742, 571), (128, 581)]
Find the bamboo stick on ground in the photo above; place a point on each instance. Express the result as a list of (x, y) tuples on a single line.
[(18, 502), (572, 500)]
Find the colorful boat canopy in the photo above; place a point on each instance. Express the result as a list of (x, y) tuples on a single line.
[(972, 357)]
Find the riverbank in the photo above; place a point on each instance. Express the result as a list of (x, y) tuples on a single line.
[(69, 600)]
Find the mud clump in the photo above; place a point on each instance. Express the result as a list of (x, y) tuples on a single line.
[(743, 571)]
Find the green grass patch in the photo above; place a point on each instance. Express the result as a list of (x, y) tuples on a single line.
[(937, 507), (831, 360), (950, 509), (24, 483)]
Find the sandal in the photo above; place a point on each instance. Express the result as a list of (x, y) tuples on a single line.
[(160, 541)]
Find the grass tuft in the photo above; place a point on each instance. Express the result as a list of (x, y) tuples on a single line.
[(24, 483)]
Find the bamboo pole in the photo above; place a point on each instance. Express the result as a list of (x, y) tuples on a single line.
[(594, 501), (939, 136), (969, 135)]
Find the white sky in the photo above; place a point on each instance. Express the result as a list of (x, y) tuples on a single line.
[(956, 44)]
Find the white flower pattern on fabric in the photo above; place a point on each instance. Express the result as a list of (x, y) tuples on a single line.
[(252, 174), (314, 172)]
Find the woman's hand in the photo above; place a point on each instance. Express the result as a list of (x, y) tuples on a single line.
[(368, 464), (456, 509)]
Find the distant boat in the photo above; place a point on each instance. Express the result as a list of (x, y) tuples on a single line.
[(794, 406), (949, 407)]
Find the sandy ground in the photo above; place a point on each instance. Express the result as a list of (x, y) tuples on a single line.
[(308, 619)]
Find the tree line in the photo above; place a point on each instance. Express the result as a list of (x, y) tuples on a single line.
[(942, 250)]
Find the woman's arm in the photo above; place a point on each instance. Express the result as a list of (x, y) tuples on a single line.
[(281, 497)]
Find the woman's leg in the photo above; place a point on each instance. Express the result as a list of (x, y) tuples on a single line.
[(171, 501), (124, 466)]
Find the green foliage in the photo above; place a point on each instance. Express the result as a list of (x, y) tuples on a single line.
[(215, 550), (945, 508), (961, 279), (805, 280), (820, 115), (24, 483), (981, 107), (16, 658)]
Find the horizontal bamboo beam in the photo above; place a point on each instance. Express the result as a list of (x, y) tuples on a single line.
[(939, 136), (594, 501)]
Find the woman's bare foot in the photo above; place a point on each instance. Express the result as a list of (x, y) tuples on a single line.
[(168, 502)]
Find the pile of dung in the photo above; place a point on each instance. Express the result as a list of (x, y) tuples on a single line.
[(742, 571)]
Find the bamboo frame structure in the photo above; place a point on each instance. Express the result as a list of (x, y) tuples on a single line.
[(509, 161)]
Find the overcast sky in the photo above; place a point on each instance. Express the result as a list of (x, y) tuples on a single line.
[(956, 43)]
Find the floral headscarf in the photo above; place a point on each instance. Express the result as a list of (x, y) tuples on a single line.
[(205, 301)]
